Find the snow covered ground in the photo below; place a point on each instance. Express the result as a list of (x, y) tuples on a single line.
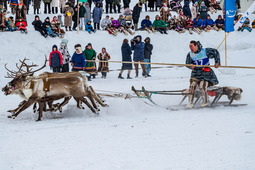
[(129, 134)]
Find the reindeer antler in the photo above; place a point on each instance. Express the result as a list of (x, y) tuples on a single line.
[(21, 71)]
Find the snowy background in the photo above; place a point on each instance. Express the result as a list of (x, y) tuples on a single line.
[(129, 134)]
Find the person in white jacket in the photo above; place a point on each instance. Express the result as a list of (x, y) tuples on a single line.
[(194, 10), (54, 5)]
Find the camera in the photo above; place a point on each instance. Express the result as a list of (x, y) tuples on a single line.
[(134, 40)]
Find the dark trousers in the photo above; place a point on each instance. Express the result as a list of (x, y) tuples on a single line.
[(4, 4), (104, 74), (74, 22), (97, 26), (107, 6), (56, 69), (47, 5), (114, 7), (126, 5), (42, 31), (143, 68), (36, 10), (65, 68)]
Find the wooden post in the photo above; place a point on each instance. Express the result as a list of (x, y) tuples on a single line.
[(78, 19), (226, 49)]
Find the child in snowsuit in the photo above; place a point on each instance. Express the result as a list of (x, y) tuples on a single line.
[(56, 27), (37, 23), (209, 24), (55, 59), (47, 26), (147, 25), (103, 66), (159, 25), (22, 26), (89, 27), (65, 55), (220, 23), (10, 24)]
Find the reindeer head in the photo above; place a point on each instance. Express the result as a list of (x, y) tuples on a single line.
[(21, 77)]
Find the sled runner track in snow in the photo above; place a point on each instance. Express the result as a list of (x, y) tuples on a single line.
[(216, 92)]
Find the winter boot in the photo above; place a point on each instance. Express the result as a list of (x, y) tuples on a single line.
[(203, 88), (191, 100), (120, 77), (165, 31), (159, 30), (52, 10), (128, 77), (136, 28), (66, 28), (70, 29), (56, 10)]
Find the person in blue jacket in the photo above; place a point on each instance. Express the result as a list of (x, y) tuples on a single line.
[(209, 24), (198, 23), (78, 60), (220, 23), (138, 47), (97, 15), (126, 56), (146, 24), (88, 27)]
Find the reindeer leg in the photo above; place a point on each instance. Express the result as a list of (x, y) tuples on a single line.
[(63, 103), (19, 107), (97, 98), (42, 105), (90, 96), (24, 107), (34, 108), (79, 103), (87, 103)]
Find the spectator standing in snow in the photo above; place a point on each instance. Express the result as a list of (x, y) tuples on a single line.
[(97, 15), (147, 55), (68, 13), (186, 9), (138, 47), (55, 59), (126, 56), (88, 11), (103, 67), (90, 54), (203, 11), (78, 60), (108, 5), (47, 5), (136, 14), (65, 55), (82, 12)]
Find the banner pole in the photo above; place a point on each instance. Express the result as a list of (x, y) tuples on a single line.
[(226, 49)]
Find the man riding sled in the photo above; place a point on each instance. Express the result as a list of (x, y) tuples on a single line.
[(201, 77)]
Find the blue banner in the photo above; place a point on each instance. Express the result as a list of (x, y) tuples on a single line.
[(230, 11)]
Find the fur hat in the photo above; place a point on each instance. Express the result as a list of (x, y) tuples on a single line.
[(77, 45), (64, 41)]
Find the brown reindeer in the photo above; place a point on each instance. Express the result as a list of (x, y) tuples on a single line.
[(49, 87)]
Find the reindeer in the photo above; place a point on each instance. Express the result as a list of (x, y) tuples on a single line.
[(60, 85)]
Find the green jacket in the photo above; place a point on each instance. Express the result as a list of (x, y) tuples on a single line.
[(158, 23), (89, 55), (82, 12)]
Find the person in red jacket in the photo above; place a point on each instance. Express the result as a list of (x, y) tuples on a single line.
[(22, 26), (55, 60)]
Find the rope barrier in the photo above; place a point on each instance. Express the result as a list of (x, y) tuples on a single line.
[(172, 64)]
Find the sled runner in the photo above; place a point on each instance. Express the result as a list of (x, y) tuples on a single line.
[(215, 92)]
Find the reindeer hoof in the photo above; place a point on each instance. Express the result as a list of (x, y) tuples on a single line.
[(38, 120), (11, 111), (106, 105), (13, 117)]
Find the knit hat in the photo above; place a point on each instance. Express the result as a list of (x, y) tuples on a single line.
[(89, 44), (54, 46), (64, 41)]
